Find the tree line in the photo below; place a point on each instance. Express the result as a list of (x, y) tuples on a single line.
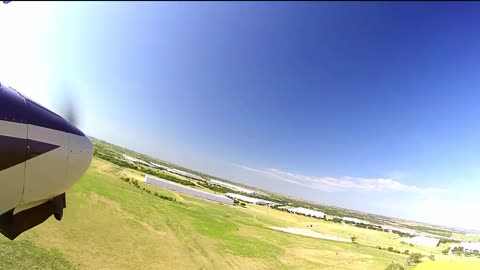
[(126, 164), (413, 259), (461, 251), (136, 184)]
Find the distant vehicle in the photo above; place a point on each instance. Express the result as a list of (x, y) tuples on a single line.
[(41, 156)]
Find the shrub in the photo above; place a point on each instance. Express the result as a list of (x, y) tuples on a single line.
[(415, 258), (457, 250), (394, 266), (446, 240)]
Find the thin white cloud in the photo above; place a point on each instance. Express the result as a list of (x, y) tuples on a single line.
[(398, 175), (341, 184), (248, 168)]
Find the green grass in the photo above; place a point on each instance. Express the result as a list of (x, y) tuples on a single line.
[(25, 255), (109, 224), (467, 237)]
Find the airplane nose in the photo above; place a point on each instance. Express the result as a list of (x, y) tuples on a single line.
[(79, 157)]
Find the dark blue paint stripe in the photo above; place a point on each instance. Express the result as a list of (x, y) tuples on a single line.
[(40, 116), (13, 151), (15, 107), (36, 148), (12, 106)]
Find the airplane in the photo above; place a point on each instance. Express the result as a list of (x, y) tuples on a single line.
[(41, 156)]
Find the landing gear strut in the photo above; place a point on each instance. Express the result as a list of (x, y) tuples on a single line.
[(59, 203)]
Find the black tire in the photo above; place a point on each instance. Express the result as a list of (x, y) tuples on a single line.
[(58, 216)]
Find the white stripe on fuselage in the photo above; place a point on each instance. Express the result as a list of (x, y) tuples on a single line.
[(41, 178), (12, 179), (37, 133), (12, 129)]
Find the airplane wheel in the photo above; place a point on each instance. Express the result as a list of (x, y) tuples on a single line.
[(58, 204), (58, 216)]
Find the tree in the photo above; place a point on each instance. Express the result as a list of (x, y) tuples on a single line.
[(432, 257), (394, 266), (353, 238), (457, 250), (415, 258), (406, 252)]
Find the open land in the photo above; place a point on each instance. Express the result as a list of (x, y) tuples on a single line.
[(110, 223)]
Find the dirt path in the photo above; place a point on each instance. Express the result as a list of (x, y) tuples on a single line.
[(310, 233)]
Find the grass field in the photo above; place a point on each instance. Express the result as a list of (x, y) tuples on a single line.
[(109, 224)]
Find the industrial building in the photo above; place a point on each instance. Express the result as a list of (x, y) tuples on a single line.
[(187, 190), (158, 166), (136, 160), (306, 212), (422, 241), (249, 199), (186, 174), (149, 164), (230, 186), (161, 167)]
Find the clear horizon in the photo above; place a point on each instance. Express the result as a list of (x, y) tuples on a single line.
[(284, 193), (355, 105)]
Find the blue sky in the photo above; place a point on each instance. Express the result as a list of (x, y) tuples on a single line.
[(370, 106)]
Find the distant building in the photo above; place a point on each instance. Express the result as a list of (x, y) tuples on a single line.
[(231, 186), (306, 212), (422, 241), (158, 166), (250, 199), (470, 247), (136, 160), (187, 190), (186, 174)]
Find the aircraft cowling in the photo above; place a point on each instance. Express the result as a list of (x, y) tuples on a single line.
[(41, 156)]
